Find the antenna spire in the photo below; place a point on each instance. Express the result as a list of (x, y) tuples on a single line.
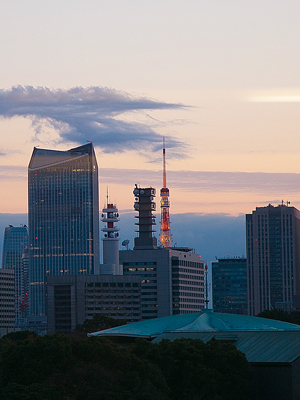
[(165, 228), (164, 165)]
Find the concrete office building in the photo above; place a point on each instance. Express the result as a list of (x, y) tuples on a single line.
[(273, 257), (229, 285), (14, 243), (172, 278), (63, 211), (72, 299)]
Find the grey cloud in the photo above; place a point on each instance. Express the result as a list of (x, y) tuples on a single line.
[(13, 173), (211, 235), (255, 182), (81, 114)]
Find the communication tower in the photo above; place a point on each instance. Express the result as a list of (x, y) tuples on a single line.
[(145, 205), (110, 216), (165, 228)]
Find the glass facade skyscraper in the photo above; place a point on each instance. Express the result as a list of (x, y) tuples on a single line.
[(63, 210), (14, 243), (229, 283)]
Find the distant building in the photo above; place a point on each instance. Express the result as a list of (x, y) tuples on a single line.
[(23, 307), (7, 301), (229, 285), (273, 257), (172, 278), (14, 243), (72, 299), (63, 211)]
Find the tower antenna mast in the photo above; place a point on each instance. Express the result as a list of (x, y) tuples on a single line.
[(165, 228)]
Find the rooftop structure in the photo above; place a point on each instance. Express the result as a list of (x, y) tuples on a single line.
[(207, 321)]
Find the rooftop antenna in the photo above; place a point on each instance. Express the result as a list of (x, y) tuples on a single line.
[(165, 228)]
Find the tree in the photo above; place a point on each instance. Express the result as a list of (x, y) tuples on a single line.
[(280, 315), (195, 370), (99, 322)]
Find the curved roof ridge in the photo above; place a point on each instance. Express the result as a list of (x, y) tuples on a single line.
[(205, 321)]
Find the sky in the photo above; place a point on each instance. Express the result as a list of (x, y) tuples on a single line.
[(219, 79)]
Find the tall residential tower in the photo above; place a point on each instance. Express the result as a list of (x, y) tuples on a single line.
[(63, 216), (273, 257)]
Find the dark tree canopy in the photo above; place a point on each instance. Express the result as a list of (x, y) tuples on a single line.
[(99, 322), (58, 367), (280, 315)]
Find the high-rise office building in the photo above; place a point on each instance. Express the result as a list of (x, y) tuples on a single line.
[(273, 257), (229, 284), (172, 279), (63, 209), (14, 244)]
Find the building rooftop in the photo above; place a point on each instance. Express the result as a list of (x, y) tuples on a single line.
[(205, 321), (260, 339)]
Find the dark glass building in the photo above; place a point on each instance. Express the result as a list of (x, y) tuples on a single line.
[(229, 284), (14, 244), (273, 257), (63, 209)]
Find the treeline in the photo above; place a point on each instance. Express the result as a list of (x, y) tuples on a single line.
[(59, 367), (293, 317)]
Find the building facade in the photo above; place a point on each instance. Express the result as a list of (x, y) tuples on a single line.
[(63, 212), (72, 299), (7, 301), (229, 285), (172, 280), (273, 257), (14, 244)]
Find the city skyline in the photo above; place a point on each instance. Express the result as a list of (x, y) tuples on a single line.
[(219, 80)]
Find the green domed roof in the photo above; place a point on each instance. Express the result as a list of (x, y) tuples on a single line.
[(205, 321)]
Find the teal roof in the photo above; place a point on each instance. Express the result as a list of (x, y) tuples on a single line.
[(205, 321), (258, 346)]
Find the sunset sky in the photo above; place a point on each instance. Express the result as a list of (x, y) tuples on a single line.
[(220, 79)]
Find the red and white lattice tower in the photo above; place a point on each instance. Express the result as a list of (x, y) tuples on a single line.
[(165, 228)]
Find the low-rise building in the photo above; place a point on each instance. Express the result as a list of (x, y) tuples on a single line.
[(73, 298)]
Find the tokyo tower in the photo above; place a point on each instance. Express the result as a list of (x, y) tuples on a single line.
[(165, 228)]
